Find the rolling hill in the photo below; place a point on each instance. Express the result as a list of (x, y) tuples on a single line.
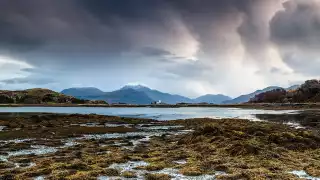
[(309, 92), (211, 98), (40, 96), (82, 92), (247, 97)]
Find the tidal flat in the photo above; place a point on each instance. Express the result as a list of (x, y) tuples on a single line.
[(74, 146)]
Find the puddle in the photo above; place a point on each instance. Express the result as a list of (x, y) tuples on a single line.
[(69, 143), (118, 125), (91, 125), (304, 175), (17, 165), (186, 130), (121, 135), (37, 150), (39, 178), (15, 141), (2, 128), (174, 173), (155, 127), (128, 166), (182, 161)]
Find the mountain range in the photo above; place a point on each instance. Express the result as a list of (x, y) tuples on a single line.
[(138, 94)]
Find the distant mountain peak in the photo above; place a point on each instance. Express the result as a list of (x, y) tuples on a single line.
[(135, 87), (212, 98)]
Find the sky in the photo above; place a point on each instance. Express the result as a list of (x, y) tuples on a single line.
[(186, 47)]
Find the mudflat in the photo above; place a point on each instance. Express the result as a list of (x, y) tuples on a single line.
[(74, 146)]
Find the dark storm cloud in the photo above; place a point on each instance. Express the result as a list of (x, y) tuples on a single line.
[(58, 27), (11, 38), (96, 26), (296, 32), (253, 31), (67, 32), (108, 11), (298, 24)]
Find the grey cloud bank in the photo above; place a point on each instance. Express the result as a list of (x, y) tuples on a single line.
[(187, 47)]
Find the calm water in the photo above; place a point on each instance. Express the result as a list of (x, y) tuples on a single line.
[(154, 113)]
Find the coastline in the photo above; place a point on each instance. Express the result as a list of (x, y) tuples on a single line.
[(267, 106)]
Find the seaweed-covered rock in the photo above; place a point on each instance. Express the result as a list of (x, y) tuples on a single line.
[(129, 174), (157, 177)]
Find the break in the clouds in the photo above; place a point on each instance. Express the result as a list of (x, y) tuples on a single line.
[(188, 47)]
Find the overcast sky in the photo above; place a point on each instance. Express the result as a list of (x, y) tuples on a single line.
[(188, 47)]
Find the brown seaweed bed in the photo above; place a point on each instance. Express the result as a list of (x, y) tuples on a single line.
[(72, 146)]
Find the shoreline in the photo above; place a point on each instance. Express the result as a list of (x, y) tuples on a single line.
[(267, 106)]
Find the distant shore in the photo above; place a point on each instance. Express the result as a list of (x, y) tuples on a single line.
[(271, 106)]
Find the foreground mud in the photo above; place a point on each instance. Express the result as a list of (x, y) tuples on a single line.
[(57, 146)]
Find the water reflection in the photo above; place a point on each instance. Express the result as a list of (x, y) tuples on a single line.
[(303, 119), (155, 113)]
